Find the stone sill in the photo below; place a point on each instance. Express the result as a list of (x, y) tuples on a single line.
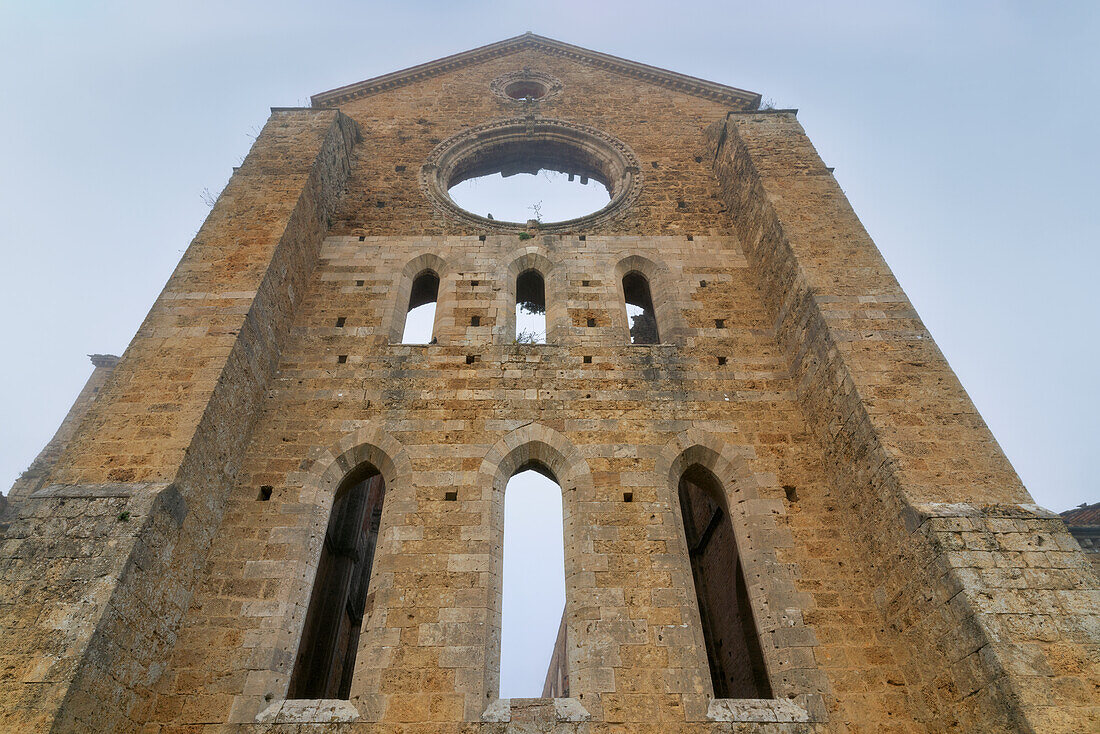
[(534, 345), (801, 710), (308, 711), (535, 711)]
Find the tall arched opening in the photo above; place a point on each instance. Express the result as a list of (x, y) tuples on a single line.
[(736, 661), (533, 587), (420, 316), (530, 308), (326, 654)]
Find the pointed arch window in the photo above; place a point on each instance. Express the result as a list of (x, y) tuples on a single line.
[(532, 653), (334, 619), (736, 660), (530, 308), (640, 314), (420, 316)]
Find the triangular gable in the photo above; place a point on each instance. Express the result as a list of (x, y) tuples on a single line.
[(737, 98)]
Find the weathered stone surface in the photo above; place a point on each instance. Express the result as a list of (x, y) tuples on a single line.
[(99, 566), (156, 577)]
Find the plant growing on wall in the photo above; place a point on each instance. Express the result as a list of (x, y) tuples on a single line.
[(526, 336)]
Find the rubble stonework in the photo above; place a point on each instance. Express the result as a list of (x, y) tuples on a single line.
[(157, 576)]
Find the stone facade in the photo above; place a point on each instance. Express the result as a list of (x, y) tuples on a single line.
[(900, 579)]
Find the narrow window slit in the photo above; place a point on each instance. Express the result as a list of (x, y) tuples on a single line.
[(734, 654), (420, 317), (450, 496), (265, 492), (640, 314), (340, 321), (342, 359), (530, 308)]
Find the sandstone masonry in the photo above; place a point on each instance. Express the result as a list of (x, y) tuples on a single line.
[(158, 561)]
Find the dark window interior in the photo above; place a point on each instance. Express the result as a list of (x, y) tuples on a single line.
[(531, 291), (326, 655), (733, 648), (526, 89), (425, 289)]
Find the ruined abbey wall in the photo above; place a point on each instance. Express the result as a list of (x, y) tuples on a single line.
[(900, 579)]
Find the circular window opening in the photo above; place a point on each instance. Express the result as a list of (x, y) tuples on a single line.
[(526, 89), (503, 175), (525, 86), (545, 196)]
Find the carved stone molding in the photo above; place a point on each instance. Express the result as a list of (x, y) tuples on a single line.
[(738, 99), (526, 145), (525, 87)]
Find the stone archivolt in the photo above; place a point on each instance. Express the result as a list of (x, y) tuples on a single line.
[(528, 145), (526, 87)]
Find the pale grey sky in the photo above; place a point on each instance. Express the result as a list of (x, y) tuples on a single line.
[(963, 133), (548, 196), (533, 583)]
